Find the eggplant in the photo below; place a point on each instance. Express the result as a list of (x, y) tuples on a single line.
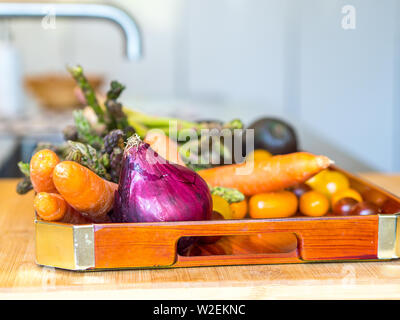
[(274, 135)]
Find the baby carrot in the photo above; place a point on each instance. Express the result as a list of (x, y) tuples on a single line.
[(276, 173), (53, 207), (164, 146), (83, 190), (41, 170), (50, 206)]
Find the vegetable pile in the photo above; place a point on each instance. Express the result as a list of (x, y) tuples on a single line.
[(121, 165)]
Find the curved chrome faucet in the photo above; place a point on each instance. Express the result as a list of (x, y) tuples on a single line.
[(133, 41)]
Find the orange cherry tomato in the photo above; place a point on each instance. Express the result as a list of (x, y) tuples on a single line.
[(258, 155), (239, 209), (314, 204), (279, 204), (222, 206), (375, 197), (328, 182), (346, 193)]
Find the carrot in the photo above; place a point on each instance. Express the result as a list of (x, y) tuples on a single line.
[(276, 173), (50, 206), (83, 190), (42, 165), (164, 146), (53, 207)]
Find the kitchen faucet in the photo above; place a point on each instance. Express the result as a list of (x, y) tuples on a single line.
[(133, 42)]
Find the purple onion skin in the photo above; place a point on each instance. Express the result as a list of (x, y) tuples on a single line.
[(151, 189)]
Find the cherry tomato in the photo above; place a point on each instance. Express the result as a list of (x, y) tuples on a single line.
[(391, 206), (300, 189), (222, 206), (279, 204), (328, 182), (344, 206), (318, 178), (314, 204), (346, 193), (239, 209), (375, 197), (365, 209), (258, 155)]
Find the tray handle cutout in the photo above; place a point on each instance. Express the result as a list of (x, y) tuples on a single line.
[(249, 249), (154, 244)]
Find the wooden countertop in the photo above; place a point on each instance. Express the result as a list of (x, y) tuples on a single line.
[(20, 277)]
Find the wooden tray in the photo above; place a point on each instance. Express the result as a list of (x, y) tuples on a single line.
[(298, 239)]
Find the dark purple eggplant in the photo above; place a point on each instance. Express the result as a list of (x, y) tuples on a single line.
[(274, 135)]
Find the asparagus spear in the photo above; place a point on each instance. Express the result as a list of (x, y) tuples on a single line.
[(84, 130), (25, 185), (87, 156), (113, 116), (77, 74), (164, 123), (61, 150), (24, 168), (117, 118), (114, 144)]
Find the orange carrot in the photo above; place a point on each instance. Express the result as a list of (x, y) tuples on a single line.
[(41, 170), (53, 207), (50, 206), (273, 174), (164, 146), (83, 190)]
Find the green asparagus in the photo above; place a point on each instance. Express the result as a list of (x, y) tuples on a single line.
[(90, 95), (89, 157), (85, 132)]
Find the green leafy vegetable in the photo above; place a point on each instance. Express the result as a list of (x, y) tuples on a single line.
[(229, 194)]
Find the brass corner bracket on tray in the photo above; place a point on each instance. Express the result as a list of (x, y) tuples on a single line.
[(65, 246), (389, 236)]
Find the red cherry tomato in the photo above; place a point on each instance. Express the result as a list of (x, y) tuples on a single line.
[(365, 209), (300, 189), (344, 206)]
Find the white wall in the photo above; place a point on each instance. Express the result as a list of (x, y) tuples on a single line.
[(235, 51), (347, 77), (295, 57)]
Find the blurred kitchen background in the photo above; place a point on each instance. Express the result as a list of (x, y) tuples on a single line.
[(336, 80)]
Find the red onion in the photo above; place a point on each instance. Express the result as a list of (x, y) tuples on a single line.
[(151, 189)]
